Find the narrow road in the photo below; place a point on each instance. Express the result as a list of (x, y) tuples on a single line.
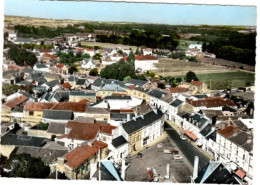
[(188, 150)]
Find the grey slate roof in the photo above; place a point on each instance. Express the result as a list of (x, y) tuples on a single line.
[(58, 115), (72, 78), (56, 128), (156, 93), (17, 140), (47, 155), (121, 116), (138, 82), (80, 93), (241, 139), (123, 97), (119, 141), (96, 110), (176, 103), (27, 70), (52, 83), (28, 95), (215, 172), (208, 129), (24, 40), (201, 96), (81, 82), (149, 118), (39, 65)]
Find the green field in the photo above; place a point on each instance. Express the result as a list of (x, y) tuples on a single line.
[(217, 81), (185, 43)]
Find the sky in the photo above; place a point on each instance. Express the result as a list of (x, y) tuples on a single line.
[(177, 14)]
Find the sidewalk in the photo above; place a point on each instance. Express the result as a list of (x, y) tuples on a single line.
[(180, 131)]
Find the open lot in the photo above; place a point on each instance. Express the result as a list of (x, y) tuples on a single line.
[(174, 67), (226, 63), (155, 158), (107, 45)]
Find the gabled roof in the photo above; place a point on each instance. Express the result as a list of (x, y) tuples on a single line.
[(66, 85), (135, 125), (146, 57), (211, 102), (119, 141), (156, 93), (178, 89), (118, 97), (38, 106), (176, 103), (47, 155), (22, 140), (56, 128), (70, 106), (138, 82), (96, 110), (58, 115), (80, 93), (15, 101), (79, 155), (196, 83), (52, 83), (81, 81), (217, 173)]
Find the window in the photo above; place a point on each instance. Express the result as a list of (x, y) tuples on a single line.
[(31, 113)]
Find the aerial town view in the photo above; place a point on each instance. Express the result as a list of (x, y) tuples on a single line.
[(107, 91)]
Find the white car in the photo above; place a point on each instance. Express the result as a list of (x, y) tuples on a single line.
[(183, 137), (177, 157)]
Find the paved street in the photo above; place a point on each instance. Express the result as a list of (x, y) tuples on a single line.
[(154, 156), (188, 150)]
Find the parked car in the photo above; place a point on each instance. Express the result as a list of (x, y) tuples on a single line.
[(183, 137), (177, 157), (167, 151)]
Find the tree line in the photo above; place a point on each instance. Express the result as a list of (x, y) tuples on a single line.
[(237, 47), (148, 38)]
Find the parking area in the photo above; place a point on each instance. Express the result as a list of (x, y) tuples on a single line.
[(154, 157)]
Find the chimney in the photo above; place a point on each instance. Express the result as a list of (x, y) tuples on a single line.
[(235, 132), (249, 139), (155, 110), (128, 117), (196, 166), (134, 118), (123, 169), (142, 116)]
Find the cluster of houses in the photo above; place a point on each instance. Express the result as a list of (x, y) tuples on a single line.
[(90, 121)]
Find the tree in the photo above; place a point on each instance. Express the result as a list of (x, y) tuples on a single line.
[(25, 166), (127, 79), (131, 57), (97, 56), (73, 69), (191, 76), (42, 126), (21, 56), (93, 72)]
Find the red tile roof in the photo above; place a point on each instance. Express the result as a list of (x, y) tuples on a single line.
[(146, 57), (45, 50), (84, 101), (38, 106), (15, 101), (190, 134), (66, 85), (79, 156), (197, 83), (73, 106), (99, 144), (16, 67), (240, 173), (50, 56), (178, 89), (211, 102), (229, 131), (59, 65), (87, 131)]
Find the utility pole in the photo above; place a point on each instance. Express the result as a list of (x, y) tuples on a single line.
[(99, 166)]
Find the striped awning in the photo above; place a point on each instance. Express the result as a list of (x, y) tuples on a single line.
[(190, 134)]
